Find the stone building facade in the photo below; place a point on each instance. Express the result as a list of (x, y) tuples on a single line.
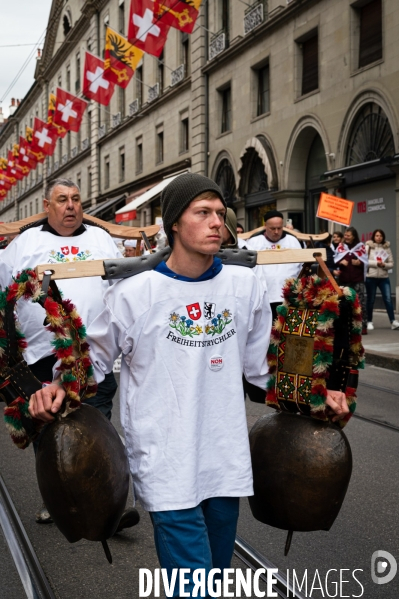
[(276, 100)]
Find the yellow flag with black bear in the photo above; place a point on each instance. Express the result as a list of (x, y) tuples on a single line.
[(120, 59)]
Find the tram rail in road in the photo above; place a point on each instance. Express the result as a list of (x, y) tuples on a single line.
[(32, 577)]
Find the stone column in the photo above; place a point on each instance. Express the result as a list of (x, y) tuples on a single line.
[(198, 98)]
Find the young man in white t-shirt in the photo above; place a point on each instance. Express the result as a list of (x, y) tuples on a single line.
[(197, 328)]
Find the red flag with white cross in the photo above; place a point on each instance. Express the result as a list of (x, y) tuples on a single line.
[(44, 138), (69, 110), (194, 311), (146, 31), (180, 14), (95, 86)]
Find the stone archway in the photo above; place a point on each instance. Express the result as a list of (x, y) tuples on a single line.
[(373, 104), (259, 149), (308, 157), (257, 179), (223, 173)]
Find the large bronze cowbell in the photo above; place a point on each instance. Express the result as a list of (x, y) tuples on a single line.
[(83, 475), (302, 468)]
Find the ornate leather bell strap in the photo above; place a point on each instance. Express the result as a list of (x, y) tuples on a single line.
[(304, 355), (70, 347)]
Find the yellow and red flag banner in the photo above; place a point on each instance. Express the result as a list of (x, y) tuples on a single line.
[(120, 58), (39, 156), (13, 170), (60, 131), (180, 14), (5, 182), (23, 165), (29, 134), (26, 157)]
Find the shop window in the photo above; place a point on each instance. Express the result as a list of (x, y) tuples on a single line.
[(370, 34), (310, 64), (225, 97), (263, 105)]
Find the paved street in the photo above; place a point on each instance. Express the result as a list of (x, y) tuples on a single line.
[(366, 523)]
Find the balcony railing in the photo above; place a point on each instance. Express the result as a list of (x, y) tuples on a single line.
[(116, 119), (254, 16), (217, 44), (177, 75), (153, 92)]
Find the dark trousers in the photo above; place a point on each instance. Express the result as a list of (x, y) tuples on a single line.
[(384, 286), (273, 306)]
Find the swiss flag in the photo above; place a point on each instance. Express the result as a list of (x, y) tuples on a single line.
[(26, 158), (44, 138), (65, 250), (95, 86), (69, 110), (194, 311), (146, 31), (3, 193)]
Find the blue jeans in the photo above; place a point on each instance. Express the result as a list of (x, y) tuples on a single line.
[(199, 537), (384, 286)]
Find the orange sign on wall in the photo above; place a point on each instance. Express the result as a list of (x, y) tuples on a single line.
[(335, 209)]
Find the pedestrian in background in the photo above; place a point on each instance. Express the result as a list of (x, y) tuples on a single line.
[(351, 258), (380, 263), (337, 238), (130, 248)]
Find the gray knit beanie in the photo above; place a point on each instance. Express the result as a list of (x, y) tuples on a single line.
[(180, 192)]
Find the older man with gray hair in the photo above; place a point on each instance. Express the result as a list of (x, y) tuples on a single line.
[(61, 237)]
